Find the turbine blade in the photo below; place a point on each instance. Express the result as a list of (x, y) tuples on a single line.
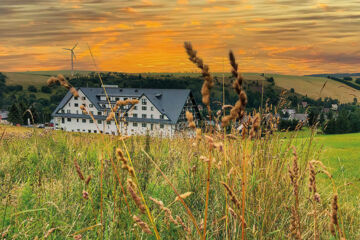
[(75, 46)]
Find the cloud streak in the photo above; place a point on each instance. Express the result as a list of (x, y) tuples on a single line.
[(147, 35)]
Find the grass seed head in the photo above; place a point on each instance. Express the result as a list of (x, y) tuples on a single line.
[(132, 190), (143, 225), (78, 170)]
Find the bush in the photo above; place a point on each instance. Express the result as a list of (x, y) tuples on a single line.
[(288, 124), (348, 78), (15, 88), (270, 79), (32, 88), (45, 89)]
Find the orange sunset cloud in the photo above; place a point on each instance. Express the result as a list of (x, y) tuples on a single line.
[(147, 35)]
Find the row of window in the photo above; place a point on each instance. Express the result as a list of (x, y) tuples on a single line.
[(135, 115), (103, 98), (135, 124), (83, 120)]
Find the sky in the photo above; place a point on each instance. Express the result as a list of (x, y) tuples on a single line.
[(271, 36)]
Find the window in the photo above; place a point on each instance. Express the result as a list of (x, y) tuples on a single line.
[(63, 120), (143, 107), (77, 120), (117, 99), (99, 113), (68, 111), (76, 98), (62, 111), (143, 115), (135, 115), (91, 105), (91, 121), (89, 131), (76, 104), (108, 122), (135, 107), (99, 121), (69, 104), (143, 124), (69, 119), (152, 108), (152, 116), (135, 124), (95, 131), (161, 125), (77, 111), (78, 130), (83, 98), (162, 116), (143, 101), (84, 120)]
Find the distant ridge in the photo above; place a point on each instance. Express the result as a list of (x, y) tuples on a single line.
[(339, 75)]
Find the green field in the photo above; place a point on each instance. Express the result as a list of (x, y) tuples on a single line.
[(303, 85), (42, 195)]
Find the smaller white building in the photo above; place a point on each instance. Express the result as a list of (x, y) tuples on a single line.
[(159, 112), (4, 116)]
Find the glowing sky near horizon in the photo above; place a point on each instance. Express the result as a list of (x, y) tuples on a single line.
[(282, 36)]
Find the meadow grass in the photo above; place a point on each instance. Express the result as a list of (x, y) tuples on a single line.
[(217, 185), (42, 194)]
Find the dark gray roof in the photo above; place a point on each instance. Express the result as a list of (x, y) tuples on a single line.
[(168, 101)]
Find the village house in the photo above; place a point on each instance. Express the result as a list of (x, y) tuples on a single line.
[(159, 112), (4, 116)]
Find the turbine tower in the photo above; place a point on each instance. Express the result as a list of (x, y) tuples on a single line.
[(72, 57)]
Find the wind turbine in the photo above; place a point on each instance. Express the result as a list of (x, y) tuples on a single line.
[(72, 57)]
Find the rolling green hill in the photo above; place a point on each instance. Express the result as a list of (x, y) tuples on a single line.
[(305, 85)]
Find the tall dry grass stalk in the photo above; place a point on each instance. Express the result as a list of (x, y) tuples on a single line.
[(295, 227), (208, 80), (238, 110)]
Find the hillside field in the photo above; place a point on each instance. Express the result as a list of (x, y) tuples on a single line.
[(304, 85)]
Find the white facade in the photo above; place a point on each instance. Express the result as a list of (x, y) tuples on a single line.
[(143, 118)]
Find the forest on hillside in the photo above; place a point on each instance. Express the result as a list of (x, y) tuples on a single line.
[(42, 100)]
